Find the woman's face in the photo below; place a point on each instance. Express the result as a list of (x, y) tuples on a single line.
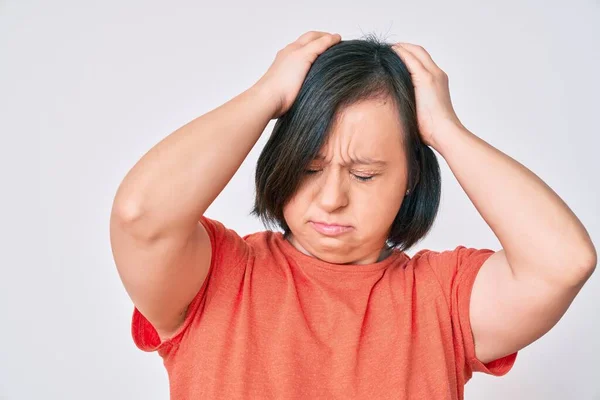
[(359, 181)]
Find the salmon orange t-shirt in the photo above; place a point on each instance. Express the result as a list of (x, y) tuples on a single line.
[(271, 322)]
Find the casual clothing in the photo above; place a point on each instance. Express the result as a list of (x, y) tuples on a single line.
[(271, 322)]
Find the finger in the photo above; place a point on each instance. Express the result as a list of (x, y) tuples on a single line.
[(414, 65), (309, 37), (321, 44), (422, 55)]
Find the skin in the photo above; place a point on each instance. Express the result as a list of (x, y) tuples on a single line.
[(522, 290), (163, 254), (334, 189), (161, 250)]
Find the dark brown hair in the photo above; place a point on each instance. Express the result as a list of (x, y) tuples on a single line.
[(348, 72)]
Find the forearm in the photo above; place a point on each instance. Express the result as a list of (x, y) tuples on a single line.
[(540, 235), (174, 183)]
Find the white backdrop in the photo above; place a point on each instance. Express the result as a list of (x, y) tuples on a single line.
[(86, 88)]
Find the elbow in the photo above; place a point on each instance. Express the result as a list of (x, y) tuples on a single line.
[(591, 263), (585, 267), (128, 218), (128, 212)]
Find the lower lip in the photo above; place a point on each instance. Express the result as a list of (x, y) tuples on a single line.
[(330, 230)]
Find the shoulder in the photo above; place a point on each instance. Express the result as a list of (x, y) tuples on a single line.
[(450, 267), (451, 258)]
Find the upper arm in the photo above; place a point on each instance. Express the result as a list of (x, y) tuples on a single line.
[(161, 275), (507, 313)]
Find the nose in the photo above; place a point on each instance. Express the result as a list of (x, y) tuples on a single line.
[(333, 191)]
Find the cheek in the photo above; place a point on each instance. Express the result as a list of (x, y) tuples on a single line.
[(288, 212), (300, 199), (381, 206), (293, 210)]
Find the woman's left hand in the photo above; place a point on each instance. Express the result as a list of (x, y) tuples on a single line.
[(435, 113)]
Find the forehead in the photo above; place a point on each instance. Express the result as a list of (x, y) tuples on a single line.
[(369, 129)]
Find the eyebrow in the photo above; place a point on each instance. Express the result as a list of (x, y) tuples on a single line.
[(359, 160)]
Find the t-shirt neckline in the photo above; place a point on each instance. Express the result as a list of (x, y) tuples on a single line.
[(300, 257)]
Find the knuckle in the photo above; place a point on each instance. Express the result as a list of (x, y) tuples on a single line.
[(428, 77), (290, 48)]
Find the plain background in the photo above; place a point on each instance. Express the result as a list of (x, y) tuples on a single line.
[(86, 88)]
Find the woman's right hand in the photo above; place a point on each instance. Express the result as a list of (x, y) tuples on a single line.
[(285, 76)]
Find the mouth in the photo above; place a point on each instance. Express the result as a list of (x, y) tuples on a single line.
[(330, 229)]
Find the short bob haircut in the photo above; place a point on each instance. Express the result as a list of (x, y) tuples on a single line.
[(348, 72)]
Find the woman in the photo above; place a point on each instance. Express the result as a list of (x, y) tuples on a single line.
[(333, 307)]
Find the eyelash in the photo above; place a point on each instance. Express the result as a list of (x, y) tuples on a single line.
[(358, 177)]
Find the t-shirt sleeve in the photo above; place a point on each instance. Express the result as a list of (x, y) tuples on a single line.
[(456, 271), (229, 255)]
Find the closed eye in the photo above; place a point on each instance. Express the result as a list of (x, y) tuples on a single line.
[(360, 178), (363, 178)]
